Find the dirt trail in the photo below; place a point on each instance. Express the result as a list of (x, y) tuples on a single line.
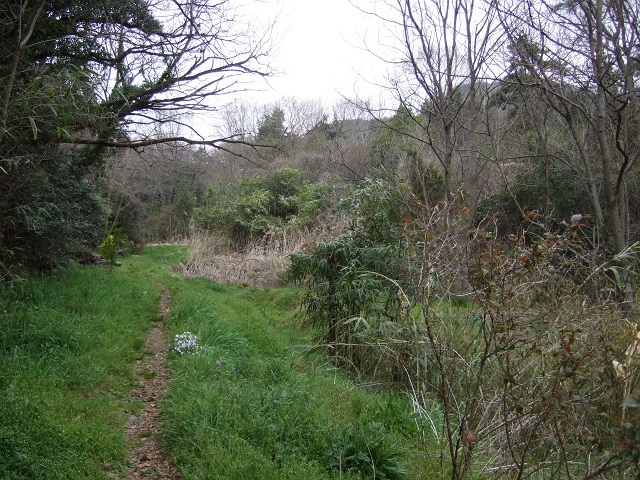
[(146, 458)]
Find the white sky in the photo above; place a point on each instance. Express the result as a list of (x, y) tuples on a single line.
[(321, 52)]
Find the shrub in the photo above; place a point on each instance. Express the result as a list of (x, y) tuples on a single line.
[(252, 207), (354, 280), (523, 373), (364, 449), (128, 211), (559, 198), (514, 336), (49, 213), (108, 249)]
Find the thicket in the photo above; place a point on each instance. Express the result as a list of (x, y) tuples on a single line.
[(51, 212), (516, 338), (554, 192), (51, 202), (355, 281), (250, 208)]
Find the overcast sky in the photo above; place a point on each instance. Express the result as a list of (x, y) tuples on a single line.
[(321, 52)]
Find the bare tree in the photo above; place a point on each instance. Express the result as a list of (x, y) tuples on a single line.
[(140, 64), (583, 56), (443, 51)]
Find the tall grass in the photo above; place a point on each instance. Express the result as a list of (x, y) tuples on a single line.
[(262, 263)]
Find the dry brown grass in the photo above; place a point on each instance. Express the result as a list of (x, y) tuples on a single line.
[(261, 264)]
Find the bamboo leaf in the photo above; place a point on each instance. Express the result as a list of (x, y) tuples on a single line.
[(34, 128)]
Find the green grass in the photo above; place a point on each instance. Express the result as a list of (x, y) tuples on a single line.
[(66, 347), (249, 405)]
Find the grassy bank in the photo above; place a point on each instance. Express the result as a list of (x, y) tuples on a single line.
[(247, 403)]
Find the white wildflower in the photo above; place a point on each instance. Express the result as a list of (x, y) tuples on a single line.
[(186, 342)]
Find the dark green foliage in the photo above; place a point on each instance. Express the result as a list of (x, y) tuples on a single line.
[(560, 197), (49, 213), (50, 202), (284, 185), (395, 133), (240, 211), (393, 141), (129, 213), (343, 285), (272, 129), (272, 136), (425, 180), (184, 208), (364, 450), (47, 79), (171, 221), (325, 130)]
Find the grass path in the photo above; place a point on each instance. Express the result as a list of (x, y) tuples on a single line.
[(146, 457), (85, 390)]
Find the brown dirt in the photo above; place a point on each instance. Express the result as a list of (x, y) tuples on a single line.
[(146, 457)]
